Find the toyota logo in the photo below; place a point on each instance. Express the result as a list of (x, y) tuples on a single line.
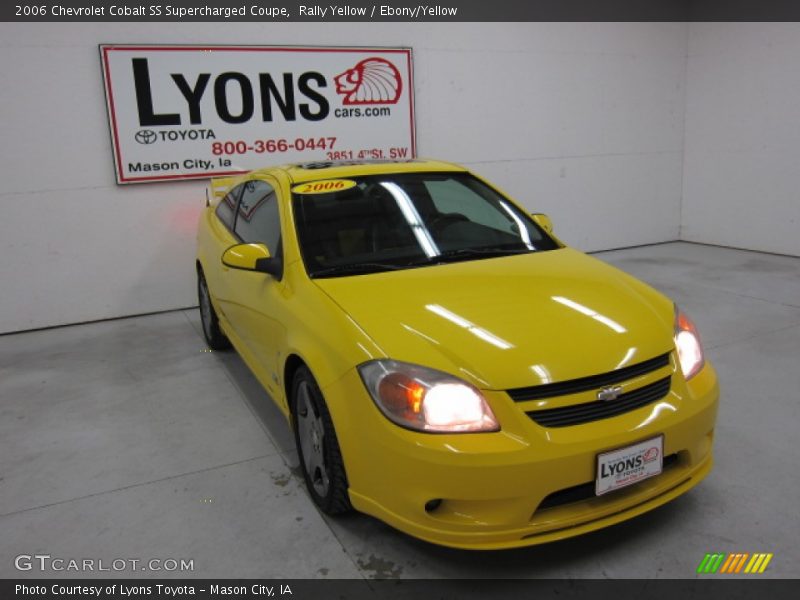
[(145, 136)]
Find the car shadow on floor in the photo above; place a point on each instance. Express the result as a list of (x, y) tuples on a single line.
[(260, 403), (253, 394)]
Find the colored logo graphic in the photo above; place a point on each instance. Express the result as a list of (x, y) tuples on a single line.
[(372, 81), (734, 563), (650, 454)]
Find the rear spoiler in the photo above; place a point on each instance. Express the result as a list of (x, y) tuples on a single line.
[(217, 188)]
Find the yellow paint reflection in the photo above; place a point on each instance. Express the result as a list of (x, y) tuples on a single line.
[(478, 332), (585, 310)]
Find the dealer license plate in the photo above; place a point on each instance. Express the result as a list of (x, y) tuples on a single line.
[(623, 467)]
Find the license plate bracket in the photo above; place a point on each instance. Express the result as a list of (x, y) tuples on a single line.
[(620, 468)]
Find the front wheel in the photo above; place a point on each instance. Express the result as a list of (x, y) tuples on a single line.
[(317, 446)]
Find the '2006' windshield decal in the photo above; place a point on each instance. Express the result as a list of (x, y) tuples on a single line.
[(326, 186)]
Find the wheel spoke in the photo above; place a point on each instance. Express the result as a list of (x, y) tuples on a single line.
[(316, 469), (311, 433), (323, 482), (304, 418)]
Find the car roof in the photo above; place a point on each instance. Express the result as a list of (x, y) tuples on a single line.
[(310, 171)]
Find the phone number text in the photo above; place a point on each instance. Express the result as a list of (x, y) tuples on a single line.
[(272, 146)]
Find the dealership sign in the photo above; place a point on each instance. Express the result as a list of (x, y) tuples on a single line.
[(185, 112)]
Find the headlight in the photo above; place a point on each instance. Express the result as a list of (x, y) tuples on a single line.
[(687, 341), (426, 400)]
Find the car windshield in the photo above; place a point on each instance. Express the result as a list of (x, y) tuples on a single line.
[(397, 221)]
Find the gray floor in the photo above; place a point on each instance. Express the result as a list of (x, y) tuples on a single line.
[(127, 439)]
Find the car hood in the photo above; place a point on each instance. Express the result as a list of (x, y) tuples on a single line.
[(510, 321)]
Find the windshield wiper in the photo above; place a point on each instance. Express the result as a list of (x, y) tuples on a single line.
[(444, 257), (470, 253), (355, 269)]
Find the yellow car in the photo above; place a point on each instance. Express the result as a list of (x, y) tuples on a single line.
[(446, 363)]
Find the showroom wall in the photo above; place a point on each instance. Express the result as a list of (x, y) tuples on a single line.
[(583, 121), (741, 169)]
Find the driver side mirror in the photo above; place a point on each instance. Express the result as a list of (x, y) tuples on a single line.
[(253, 257), (543, 221)]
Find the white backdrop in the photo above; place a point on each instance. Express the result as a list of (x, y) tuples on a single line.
[(742, 161), (582, 121)]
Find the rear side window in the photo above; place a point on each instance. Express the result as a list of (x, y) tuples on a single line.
[(257, 220), (226, 209)]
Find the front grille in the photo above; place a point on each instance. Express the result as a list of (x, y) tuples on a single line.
[(585, 491), (573, 386), (595, 410)]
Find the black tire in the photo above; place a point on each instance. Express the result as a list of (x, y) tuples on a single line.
[(317, 446), (215, 339)]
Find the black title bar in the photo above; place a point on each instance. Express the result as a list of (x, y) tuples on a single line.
[(400, 10), (390, 589)]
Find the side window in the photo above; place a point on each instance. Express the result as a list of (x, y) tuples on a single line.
[(258, 220), (227, 206)]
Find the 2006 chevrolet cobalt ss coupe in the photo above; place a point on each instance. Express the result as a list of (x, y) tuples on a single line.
[(446, 363)]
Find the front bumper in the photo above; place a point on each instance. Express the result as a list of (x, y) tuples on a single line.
[(487, 488)]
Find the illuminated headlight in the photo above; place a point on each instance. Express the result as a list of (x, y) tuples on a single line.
[(426, 400), (687, 341)]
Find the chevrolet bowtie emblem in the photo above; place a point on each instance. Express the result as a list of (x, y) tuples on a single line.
[(609, 393)]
